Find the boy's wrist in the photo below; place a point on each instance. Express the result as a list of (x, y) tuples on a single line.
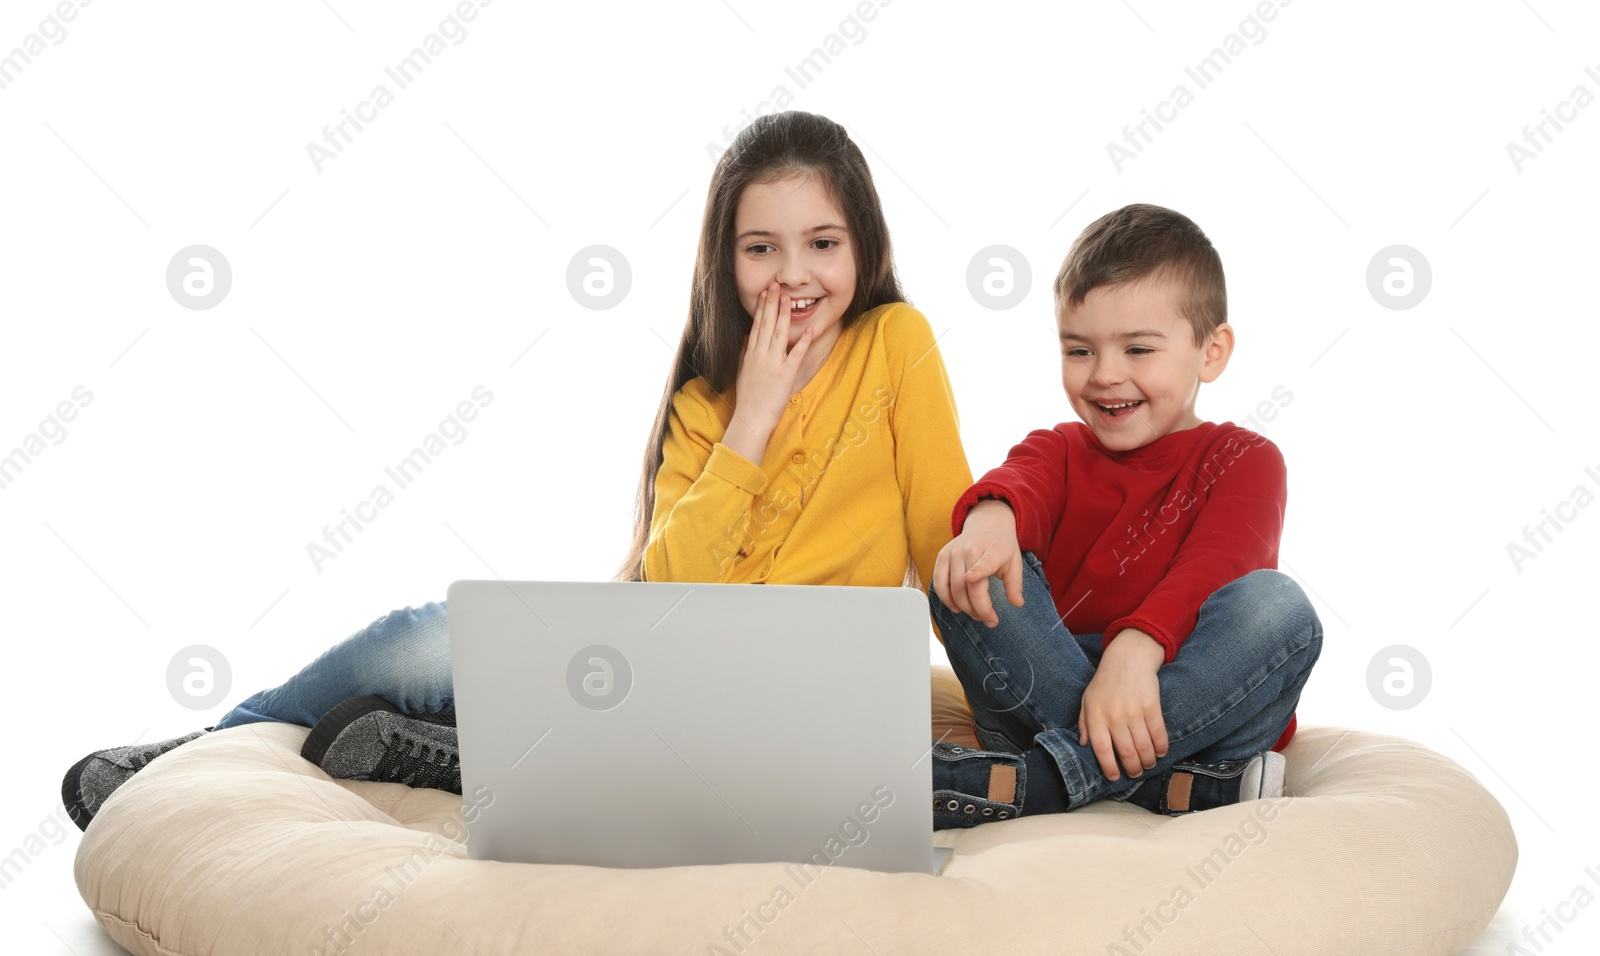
[(991, 504), (990, 516), (1136, 646)]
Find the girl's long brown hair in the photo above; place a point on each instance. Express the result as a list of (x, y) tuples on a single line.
[(772, 147)]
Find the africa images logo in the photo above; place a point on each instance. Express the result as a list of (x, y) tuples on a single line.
[(599, 677)]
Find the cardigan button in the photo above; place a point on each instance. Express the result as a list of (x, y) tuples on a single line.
[(798, 458)]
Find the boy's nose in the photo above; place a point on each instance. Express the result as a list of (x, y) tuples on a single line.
[(1106, 373)]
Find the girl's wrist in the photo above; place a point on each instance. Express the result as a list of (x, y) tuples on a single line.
[(747, 440)]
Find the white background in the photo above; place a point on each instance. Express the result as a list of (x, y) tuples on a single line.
[(370, 298)]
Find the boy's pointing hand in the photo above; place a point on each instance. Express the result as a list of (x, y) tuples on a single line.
[(986, 546)]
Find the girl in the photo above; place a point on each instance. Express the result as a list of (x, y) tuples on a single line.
[(806, 435)]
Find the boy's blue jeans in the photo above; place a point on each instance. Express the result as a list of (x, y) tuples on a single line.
[(1227, 696), (403, 657)]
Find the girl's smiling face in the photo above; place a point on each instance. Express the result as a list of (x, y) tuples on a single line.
[(790, 231)]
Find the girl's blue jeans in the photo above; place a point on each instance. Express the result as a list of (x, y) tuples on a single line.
[(403, 657), (1226, 697)]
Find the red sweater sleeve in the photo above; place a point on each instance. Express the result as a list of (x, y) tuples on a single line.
[(1236, 531), (1033, 481)]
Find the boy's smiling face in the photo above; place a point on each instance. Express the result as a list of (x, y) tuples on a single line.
[(1128, 346)]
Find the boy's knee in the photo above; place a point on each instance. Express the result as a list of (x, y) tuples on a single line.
[(1268, 586), (949, 621), (1271, 606), (997, 598), (957, 631), (1278, 606)]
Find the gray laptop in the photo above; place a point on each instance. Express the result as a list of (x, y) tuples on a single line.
[(660, 724)]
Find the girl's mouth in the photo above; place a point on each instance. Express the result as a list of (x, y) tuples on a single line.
[(1115, 410), (802, 309)]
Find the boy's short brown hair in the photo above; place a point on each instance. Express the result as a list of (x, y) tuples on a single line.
[(1142, 240)]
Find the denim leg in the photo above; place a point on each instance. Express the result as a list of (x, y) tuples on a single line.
[(403, 657), (1289, 636), (1235, 681), (1026, 675), (1227, 696)]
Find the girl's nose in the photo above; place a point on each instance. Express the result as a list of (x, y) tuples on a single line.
[(791, 272)]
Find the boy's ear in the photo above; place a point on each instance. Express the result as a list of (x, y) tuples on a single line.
[(1217, 349)]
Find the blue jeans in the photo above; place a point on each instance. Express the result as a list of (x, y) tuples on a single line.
[(1227, 696), (403, 657)]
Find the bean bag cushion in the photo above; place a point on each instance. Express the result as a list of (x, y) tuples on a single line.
[(234, 846)]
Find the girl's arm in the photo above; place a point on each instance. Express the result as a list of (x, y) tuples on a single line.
[(930, 463), (710, 473), (704, 493)]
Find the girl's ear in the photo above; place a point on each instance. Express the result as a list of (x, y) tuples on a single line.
[(1218, 348)]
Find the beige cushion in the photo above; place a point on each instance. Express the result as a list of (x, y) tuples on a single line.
[(234, 845)]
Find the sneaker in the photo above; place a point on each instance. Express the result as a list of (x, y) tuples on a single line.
[(368, 738), (94, 778), (1190, 787), (1263, 777), (975, 786)]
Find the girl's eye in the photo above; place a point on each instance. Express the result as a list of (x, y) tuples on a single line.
[(760, 248), (826, 243)]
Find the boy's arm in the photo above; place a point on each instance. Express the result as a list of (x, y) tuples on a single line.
[(1030, 488), (1033, 481), (1236, 531), (704, 493)]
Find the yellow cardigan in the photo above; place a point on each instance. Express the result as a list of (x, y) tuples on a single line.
[(857, 482)]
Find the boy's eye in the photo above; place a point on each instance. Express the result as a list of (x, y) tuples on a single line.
[(1140, 350), (1075, 353)]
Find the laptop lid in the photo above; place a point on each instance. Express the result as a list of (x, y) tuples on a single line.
[(664, 724)]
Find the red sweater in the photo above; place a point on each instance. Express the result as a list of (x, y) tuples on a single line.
[(1141, 538)]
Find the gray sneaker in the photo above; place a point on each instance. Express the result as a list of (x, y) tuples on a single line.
[(367, 738), (94, 778)]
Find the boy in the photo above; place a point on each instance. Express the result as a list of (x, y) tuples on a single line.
[(1146, 649)]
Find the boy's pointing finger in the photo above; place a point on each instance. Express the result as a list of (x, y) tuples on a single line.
[(1012, 578)]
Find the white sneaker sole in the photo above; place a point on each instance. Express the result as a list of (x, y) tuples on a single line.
[(1263, 777)]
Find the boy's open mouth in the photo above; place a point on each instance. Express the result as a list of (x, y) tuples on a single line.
[(1117, 409)]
